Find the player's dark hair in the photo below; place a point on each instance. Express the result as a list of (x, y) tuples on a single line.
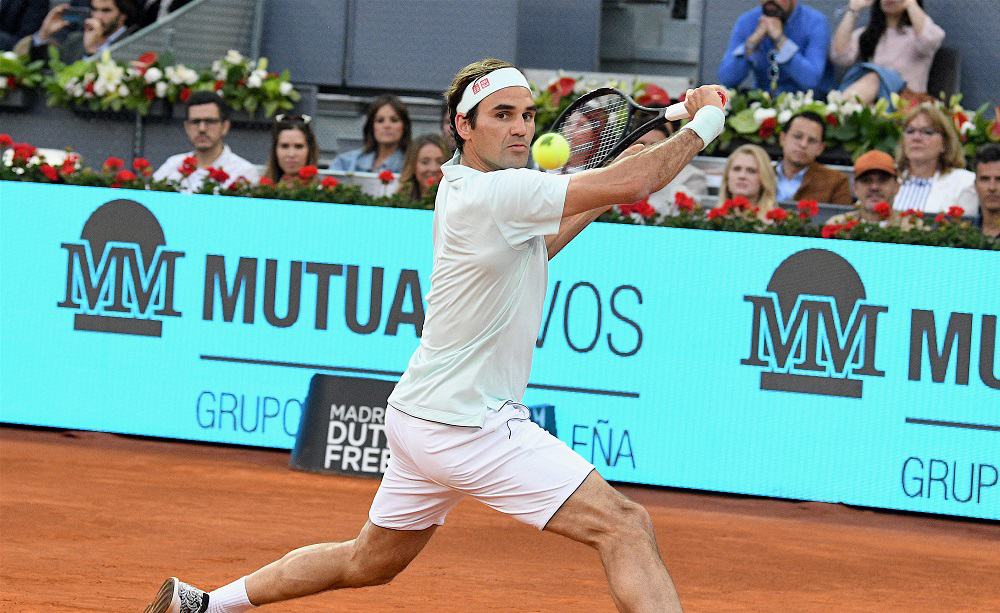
[(453, 95), (876, 28), (809, 116)]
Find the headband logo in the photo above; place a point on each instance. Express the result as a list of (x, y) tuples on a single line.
[(480, 85)]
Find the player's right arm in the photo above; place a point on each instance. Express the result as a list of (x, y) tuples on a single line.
[(637, 176)]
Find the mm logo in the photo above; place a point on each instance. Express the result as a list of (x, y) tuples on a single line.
[(120, 276), (813, 332)]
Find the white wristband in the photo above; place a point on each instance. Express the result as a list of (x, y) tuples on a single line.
[(708, 123)]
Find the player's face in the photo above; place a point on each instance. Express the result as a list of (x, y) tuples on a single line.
[(744, 177), (504, 128), (988, 186), (875, 186)]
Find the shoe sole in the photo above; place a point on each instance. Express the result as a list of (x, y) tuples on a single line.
[(164, 598)]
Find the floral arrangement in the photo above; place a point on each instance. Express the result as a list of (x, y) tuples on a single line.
[(17, 72), (105, 85), (734, 215)]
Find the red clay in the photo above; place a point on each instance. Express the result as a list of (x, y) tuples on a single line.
[(95, 522)]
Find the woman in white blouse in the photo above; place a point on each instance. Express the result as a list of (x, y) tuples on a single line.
[(932, 165)]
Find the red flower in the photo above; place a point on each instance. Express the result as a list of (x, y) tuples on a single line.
[(125, 175), (561, 87), (653, 95), (739, 203), (767, 127), (959, 118), (185, 94), (831, 119), (831, 230), (143, 166), (149, 93), (148, 58), (50, 173), (850, 225), (89, 88), (684, 202), (883, 210), (777, 214), (188, 166), (219, 84), (913, 212), (940, 218), (329, 182), (69, 165), (5, 140), (643, 208), (956, 212), (268, 181), (386, 177), (113, 163), (23, 152), (307, 172), (431, 181), (218, 175), (719, 211), (808, 209)]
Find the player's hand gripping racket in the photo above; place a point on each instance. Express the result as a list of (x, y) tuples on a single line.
[(605, 122)]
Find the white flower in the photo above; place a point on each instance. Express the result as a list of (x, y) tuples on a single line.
[(110, 72), (832, 108), (78, 91), (153, 75), (760, 115), (967, 127), (3, 82), (102, 87), (784, 116), (161, 89), (234, 57), (285, 88), (835, 97), (254, 81), (122, 90), (9, 55)]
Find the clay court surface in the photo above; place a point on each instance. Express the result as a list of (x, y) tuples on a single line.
[(94, 522)]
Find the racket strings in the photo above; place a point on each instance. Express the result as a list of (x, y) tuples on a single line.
[(595, 129)]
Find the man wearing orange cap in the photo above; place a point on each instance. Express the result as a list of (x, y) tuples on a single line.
[(875, 183)]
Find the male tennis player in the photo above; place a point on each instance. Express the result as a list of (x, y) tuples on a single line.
[(455, 424)]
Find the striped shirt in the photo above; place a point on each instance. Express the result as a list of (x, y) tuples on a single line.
[(913, 193)]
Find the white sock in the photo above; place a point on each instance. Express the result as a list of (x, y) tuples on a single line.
[(230, 598)]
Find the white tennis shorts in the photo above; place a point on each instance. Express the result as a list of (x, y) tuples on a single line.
[(510, 464)]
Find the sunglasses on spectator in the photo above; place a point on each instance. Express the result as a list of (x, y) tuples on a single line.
[(212, 121), (303, 119), (924, 131)]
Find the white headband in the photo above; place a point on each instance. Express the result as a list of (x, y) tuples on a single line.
[(493, 82)]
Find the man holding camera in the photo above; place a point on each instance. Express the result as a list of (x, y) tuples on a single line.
[(84, 32)]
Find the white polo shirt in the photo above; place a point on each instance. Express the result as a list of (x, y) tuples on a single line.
[(487, 291), (234, 165)]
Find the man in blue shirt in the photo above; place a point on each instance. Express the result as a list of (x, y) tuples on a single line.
[(785, 45)]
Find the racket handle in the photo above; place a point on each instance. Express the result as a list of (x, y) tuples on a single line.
[(675, 111)]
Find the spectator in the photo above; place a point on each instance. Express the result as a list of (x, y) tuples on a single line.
[(690, 180), (150, 11), (932, 164), (895, 50), (19, 18), (386, 134), (988, 187), (800, 176), (206, 125), (749, 174), (422, 166), (109, 22), (293, 146), (446, 133), (784, 43), (875, 186)]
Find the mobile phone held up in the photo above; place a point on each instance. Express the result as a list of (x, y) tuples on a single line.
[(75, 16)]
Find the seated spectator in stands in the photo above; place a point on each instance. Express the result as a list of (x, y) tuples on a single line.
[(800, 176), (206, 125), (932, 165), (784, 44), (749, 174), (386, 134), (875, 186), (293, 146), (690, 180), (422, 166), (19, 18), (893, 52), (988, 187), (446, 133), (150, 11), (109, 22)]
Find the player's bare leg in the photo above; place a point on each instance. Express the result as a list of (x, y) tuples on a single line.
[(622, 533), (373, 558)]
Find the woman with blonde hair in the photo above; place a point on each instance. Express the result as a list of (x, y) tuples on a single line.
[(932, 165), (422, 165), (749, 173)]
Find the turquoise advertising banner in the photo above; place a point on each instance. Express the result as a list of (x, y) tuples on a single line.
[(799, 368)]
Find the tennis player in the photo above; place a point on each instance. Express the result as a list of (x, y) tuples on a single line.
[(455, 423)]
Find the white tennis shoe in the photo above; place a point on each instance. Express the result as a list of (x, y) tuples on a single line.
[(175, 596)]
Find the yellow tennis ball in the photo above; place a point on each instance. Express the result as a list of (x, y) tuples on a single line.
[(550, 151)]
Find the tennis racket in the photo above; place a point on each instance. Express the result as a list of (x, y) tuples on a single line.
[(601, 124)]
